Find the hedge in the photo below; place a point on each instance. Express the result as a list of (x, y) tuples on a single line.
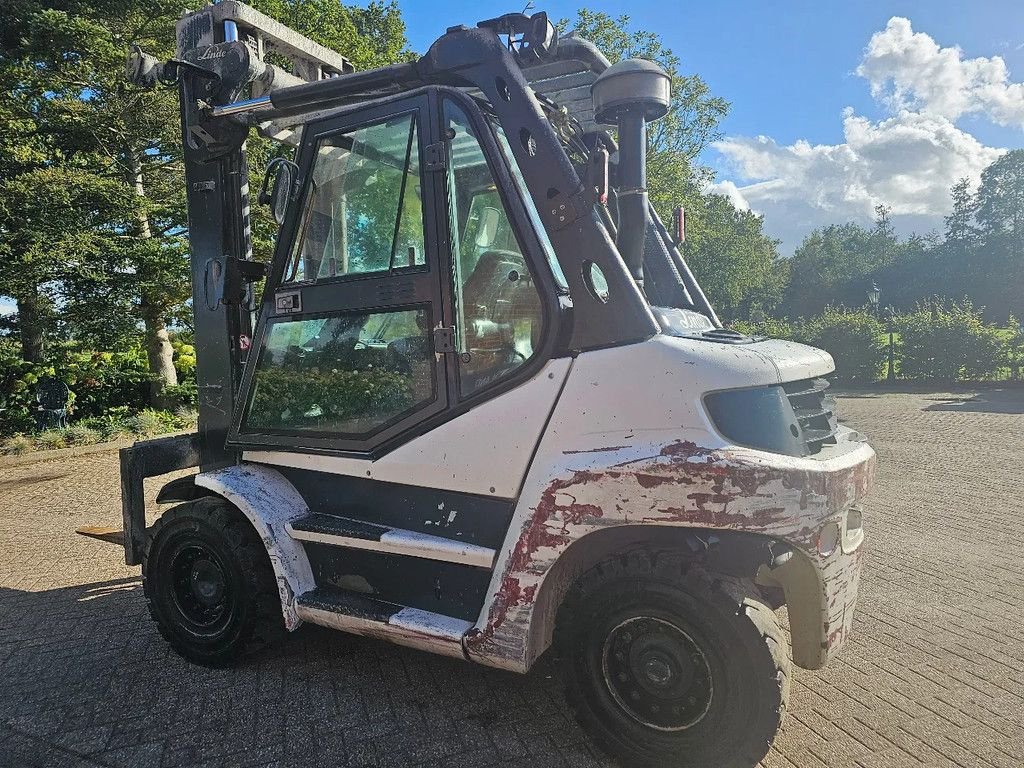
[(949, 343), (938, 341)]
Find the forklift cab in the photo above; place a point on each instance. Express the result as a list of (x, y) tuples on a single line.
[(411, 279)]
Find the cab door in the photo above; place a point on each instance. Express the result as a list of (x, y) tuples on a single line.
[(345, 347)]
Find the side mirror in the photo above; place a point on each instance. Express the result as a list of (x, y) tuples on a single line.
[(284, 172), (487, 232)]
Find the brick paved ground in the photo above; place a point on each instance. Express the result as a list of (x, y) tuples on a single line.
[(933, 675)]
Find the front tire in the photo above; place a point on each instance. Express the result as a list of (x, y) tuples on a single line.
[(209, 583), (667, 664)]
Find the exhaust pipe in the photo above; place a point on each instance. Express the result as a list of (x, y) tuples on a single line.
[(631, 94)]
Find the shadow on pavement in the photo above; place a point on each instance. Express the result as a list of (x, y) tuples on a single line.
[(989, 401), (86, 679)]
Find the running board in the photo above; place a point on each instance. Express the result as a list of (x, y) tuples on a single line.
[(356, 534), (361, 614)]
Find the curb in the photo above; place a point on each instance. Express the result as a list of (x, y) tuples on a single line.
[(37, 457)]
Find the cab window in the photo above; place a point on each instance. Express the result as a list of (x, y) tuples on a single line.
[(349, 374), (363, 213), (498, 307)]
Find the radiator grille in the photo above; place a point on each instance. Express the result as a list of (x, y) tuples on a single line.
[(815, 411)]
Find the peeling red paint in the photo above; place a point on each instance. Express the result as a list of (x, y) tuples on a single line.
[(722, 493)]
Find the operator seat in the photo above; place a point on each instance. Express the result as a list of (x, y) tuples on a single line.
[(497, 297)]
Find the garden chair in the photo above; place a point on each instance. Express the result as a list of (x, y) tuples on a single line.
[(54, 397)]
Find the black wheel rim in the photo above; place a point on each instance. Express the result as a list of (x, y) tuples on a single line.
[(199, 587), (657, 673)]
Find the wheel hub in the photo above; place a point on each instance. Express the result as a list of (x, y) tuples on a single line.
[(657, 673), (199, 587), (207, 582)]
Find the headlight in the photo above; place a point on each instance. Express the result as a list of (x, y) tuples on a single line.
[(757, 418)]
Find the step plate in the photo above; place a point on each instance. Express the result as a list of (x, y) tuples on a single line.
[(365, 615), (358, 534)]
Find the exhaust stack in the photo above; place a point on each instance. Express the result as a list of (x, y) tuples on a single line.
[(629, 95)]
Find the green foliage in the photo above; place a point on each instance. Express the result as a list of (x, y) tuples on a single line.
[(82, 434), (50, 440), (96, 163), (98, 381), (368, 37), (852, 337), (184, 359), (769, 327), (948, 342), (17, 445), (289, 398), (182, 395), (979, 259), (99, 168), (117, 424), (835, 265), (735, 263)]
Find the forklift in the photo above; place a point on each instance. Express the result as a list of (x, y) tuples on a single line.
[(481, 407)]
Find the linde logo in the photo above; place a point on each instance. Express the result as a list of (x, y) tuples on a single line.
[(212, 53)]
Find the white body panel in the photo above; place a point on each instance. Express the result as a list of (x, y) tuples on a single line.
[(270, 502), (633, 410), (485, 451)]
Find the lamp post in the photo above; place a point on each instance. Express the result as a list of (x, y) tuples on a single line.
[(874, 294), (890, 326)]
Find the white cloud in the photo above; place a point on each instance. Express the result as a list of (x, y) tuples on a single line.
[(730, 190), (908, 160), (909, 70)]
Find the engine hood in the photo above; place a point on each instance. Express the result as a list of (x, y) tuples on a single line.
[(759, 363), (794, 361)]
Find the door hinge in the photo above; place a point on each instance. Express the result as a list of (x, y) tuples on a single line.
[(437, 156), (444, 340)]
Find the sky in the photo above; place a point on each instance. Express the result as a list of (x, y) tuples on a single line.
[(835, 106)]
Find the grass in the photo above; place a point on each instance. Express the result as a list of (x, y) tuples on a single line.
[(146, 423)]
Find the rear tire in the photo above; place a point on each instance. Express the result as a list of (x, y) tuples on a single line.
[(667, 664), (209, 583)]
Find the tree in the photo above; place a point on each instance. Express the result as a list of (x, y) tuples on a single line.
[(960, 228), (368, 37), (734, 262), (999, 260), (68, 110)]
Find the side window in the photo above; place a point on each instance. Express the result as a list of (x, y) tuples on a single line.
[(363, 213), (347, 375), (498, 309)]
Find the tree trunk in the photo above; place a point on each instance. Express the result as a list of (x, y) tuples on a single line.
[(30, 322), (159, 352), (158, 343)]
